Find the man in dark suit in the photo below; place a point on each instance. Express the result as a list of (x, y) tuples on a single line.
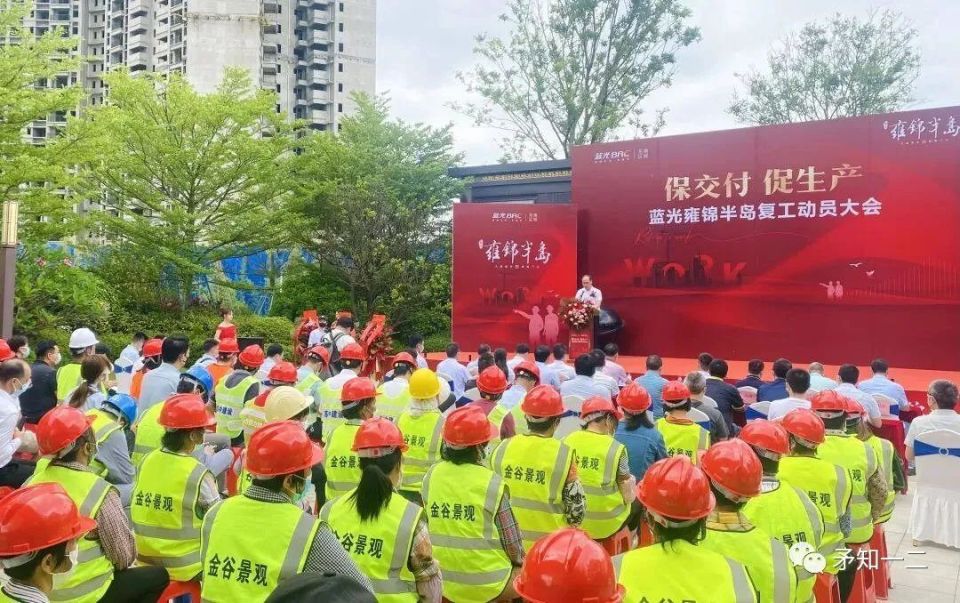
[(725, 395)]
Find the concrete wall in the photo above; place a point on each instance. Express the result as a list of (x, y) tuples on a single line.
[(221, 34), (358, 57)]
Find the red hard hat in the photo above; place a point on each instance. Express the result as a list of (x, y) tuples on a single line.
[(152, 347), (281, 449), (356, 389), (805, 425), (492, 381), (353, 351), (528, 367), (229, 346), (378, 437), (38, 517), (251, 356), (734, 469), (468, 426), (320, 352), (675, 492), (404, 358), (595, 405), (854, 408), (61, 427), (185, 411), (5, 352), (634, 399), (283, 372), (828, 401), (675, 391), (542, 401), (568, 566), (767, 436)]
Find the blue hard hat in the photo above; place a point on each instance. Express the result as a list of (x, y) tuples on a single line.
[(125, 404), (202, 376)]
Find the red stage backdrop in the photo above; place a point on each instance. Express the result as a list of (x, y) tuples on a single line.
[(511, 265), (833, 241)]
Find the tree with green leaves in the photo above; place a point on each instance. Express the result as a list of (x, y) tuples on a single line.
[(575, 72), (839, 68), (189, 179), (374, 207)]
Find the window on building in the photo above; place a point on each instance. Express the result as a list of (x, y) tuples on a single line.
[(339, 107), (340, 46), (341, 7), (340, 27), (340, 67), (278, 87)]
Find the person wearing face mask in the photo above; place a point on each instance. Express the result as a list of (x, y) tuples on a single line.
[(374, 517), (113, 463), (83, 343), (149, 360), (161, 382), (39, 529), (168, 533), (42, 394), (358, 400), (103, 573), (14, 379), (279, 457)]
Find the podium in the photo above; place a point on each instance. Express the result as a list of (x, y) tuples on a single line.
[(581, 341), (581, 323)]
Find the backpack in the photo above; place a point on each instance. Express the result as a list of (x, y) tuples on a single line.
[(331, 344)]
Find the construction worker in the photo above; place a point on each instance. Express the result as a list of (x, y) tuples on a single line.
[(101, 573), (39, 531), (603, 469), (228, 350), (827, 484), (491, 384), (82, 343), (469, 509), (677, 501), (883, 450), (385, 534), (680, 434), (358, 398), (351, 359), (252, 415), (783, 511), (151, 358), (526, 376), (735, 474), (637, 432), (113, 463), (393, 397), (568, 566), (867, 481), (235, 390), (148, 432), (422, 426), (252, 542), (540, 471), (174, 491), (315, 360)]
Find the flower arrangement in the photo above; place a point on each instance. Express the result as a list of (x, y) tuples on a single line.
[(577, 315), (382, 344)]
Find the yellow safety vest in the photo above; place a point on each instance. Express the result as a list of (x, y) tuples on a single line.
[(461, 502), (499, 414), (252, 417), (68, 378), (380, 547), (341, 464), (163, 509), (786, 513), (828, 486), (104, 424), (92, 577), (598, 457), (685, 439), (680, 571), (765, 558), (148, 435), (535, 470), (393, 407), (330, 409), (248, 547), (305, 387), (858, 458), (883, 450), (423, 437), (230, 401)]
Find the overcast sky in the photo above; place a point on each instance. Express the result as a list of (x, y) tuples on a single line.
[(421, 44)]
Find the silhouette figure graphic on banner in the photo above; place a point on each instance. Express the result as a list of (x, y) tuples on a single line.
[(551, 326), (534, 327)]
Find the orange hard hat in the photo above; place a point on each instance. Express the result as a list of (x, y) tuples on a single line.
[(60, 427), (252, 356), (318, 351), (530, 368), (5, 352), (828, 401), (543, 402), (768, 438), (854, 408), (675, 492), (734, 469), (152, 347), (357, 389), (281, 449), (283, 373), (378, 437), (404, 358), (353, 351), (806, 426), (229, 346), (595, 406), (675, 391), (567, 565), (38, 517), (185, 411), (634, 399), (492, 381), (468, 426)]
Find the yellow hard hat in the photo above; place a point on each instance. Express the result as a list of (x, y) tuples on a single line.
[(424, 384), (283, 403)]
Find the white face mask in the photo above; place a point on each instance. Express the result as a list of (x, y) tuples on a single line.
[(74, 557), (19, 391), (25, 350), (57, 359)]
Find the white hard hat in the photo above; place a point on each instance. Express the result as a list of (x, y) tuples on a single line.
[(82, 338)]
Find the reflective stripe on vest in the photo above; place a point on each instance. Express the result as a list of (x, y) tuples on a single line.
[(422, 435), (148, 435), (393, 407), (475, 566), (765, 559), (252, 417), (883, 450), (68, 378), (681, 438), (858, 459), (230, 401), (330, 407), (597, 457), (342, 464), (394, 528), (104, 425)]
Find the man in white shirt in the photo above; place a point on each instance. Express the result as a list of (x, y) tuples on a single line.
[(123, 368), (942, 397), (14, 379), (416, 344), (589, 294), (606, 381), (521, 352), (818, 382), (548, 375), (451, 369), (798, 382), (849, 374), (881, 384), (564, 371), (274, 355), (583, 385), (131, 353), (316, 335), (611, 368), (472, 365)]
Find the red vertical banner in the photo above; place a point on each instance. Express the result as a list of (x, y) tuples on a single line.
[(511, 265)]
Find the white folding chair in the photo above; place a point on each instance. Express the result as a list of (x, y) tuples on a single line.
[(757, 410), (699, 417), (569, 424), (748, 394), (888, 406), (935, 514)]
